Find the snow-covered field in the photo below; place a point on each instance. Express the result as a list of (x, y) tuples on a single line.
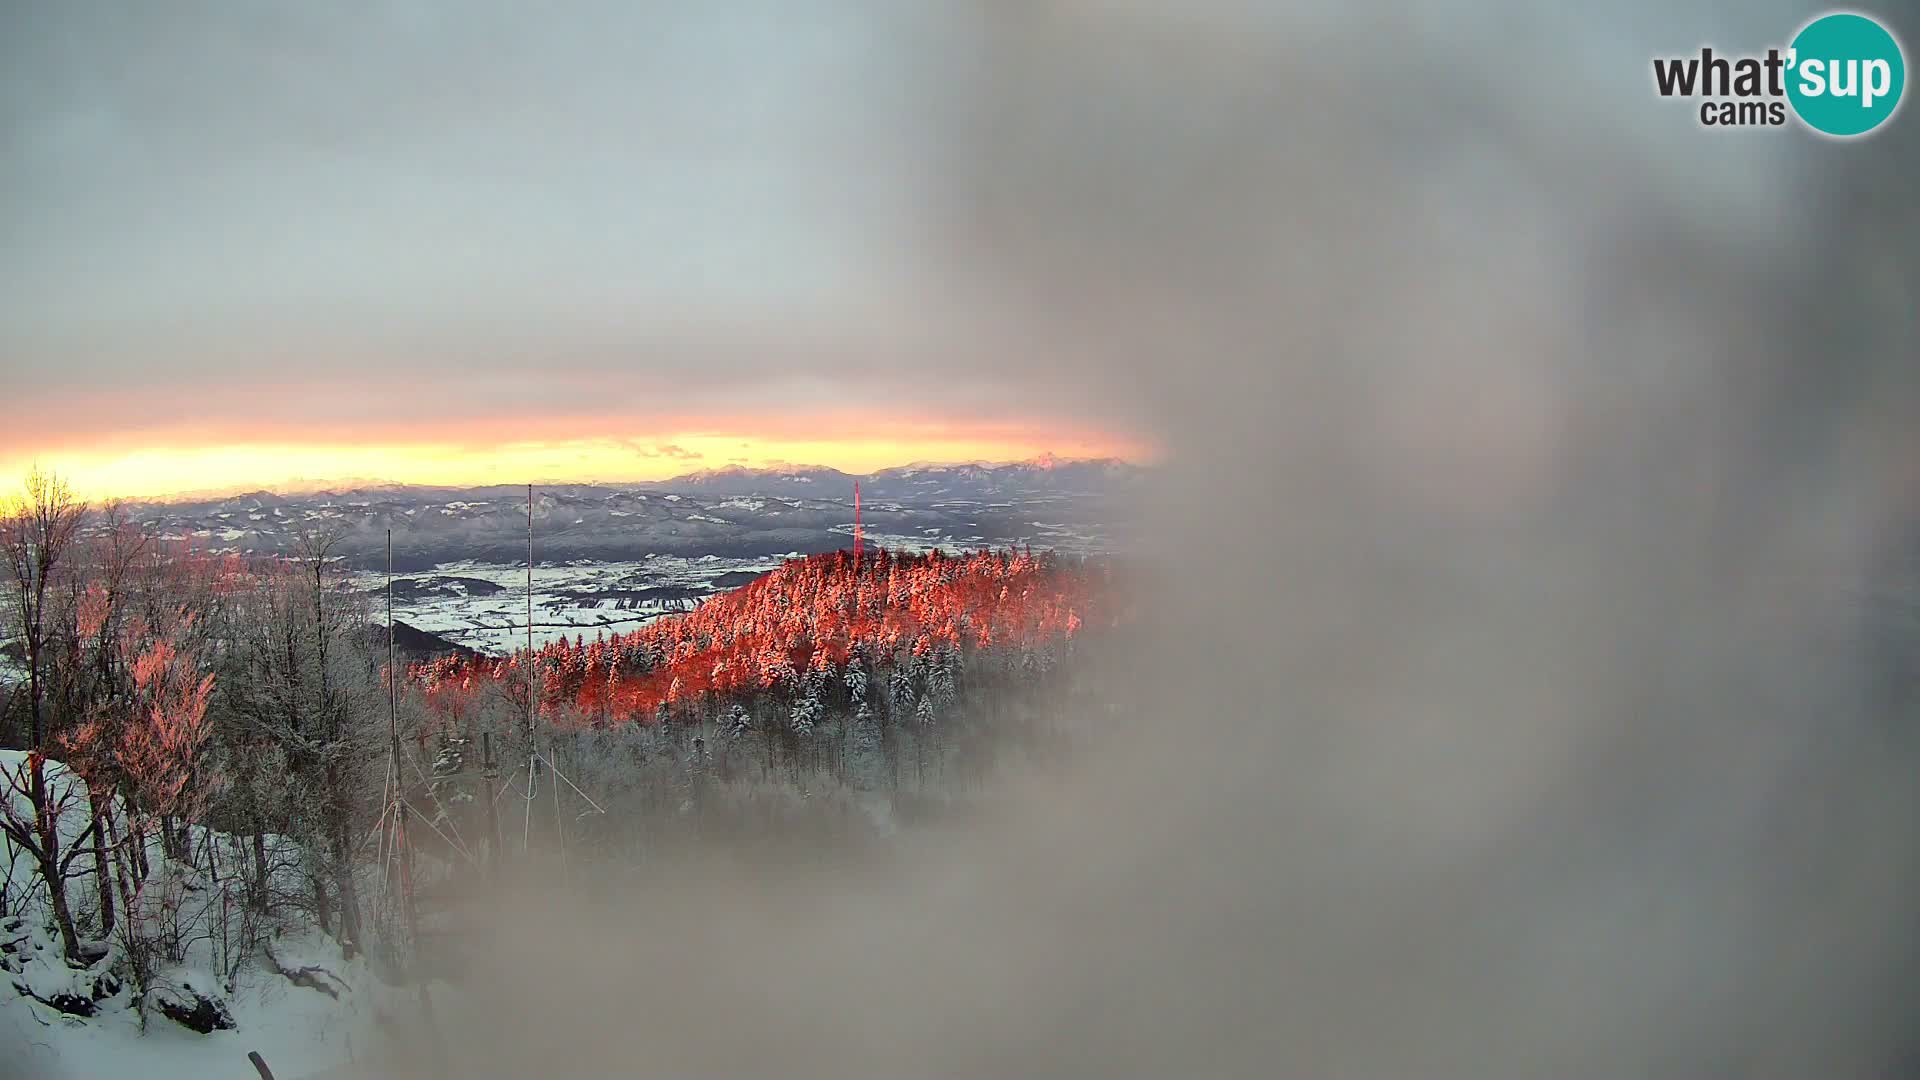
[(584, 597), (484, 605)]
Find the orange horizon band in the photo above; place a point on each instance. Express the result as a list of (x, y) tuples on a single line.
[(164, 471)]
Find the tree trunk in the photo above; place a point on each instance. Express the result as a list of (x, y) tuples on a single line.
[(140, 865), (36, 728), (102, 832), (890, 751), (46, 823), (349, 895), (338, 837), (487, 767), (122, 878), (258, 897), (62, 914), (322, 909)]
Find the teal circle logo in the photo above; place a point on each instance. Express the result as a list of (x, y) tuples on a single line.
[(1846, 74)]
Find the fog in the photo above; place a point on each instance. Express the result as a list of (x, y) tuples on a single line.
[(1525, 693)]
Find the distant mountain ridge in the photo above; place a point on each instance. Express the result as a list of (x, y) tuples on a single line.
[(815, 481), (731, 513), (1045, 474), (973, 480)]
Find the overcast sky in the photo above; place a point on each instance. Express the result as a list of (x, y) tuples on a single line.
[(315, 226), (444, 241)]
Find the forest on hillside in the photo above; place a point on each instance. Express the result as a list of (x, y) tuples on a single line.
[(208, 750), (861, 649)]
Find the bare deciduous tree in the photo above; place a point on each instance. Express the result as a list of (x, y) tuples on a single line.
[(36, 529)]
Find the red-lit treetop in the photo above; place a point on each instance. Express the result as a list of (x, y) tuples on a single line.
[(810, 614)]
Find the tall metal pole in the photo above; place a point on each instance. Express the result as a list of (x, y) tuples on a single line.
[(399, 807), (393, 681), (534, 758), (533, 752), (532, 687), (488, 774), (856, 530), (408, 909)]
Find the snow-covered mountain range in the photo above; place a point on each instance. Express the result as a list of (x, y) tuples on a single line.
[(729, 513), (967, 480)]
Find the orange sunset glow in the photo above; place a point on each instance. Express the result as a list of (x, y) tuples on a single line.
[(160, 471), (298, 305)]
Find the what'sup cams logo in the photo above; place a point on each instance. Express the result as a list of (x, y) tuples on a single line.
[(1843, 75)]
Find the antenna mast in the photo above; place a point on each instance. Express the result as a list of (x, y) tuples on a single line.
[(856, 527), (535, 759), (532, 688), (393, 711), (398, 807)]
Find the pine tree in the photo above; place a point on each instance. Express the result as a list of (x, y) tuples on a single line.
[(943, 676), (864, 765), (923, 716), (806, 712), (900, 688), (739, 723), (856, 677)]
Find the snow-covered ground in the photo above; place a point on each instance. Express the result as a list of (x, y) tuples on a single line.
[(577, 598), (329, 1022), (299, 1031)]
